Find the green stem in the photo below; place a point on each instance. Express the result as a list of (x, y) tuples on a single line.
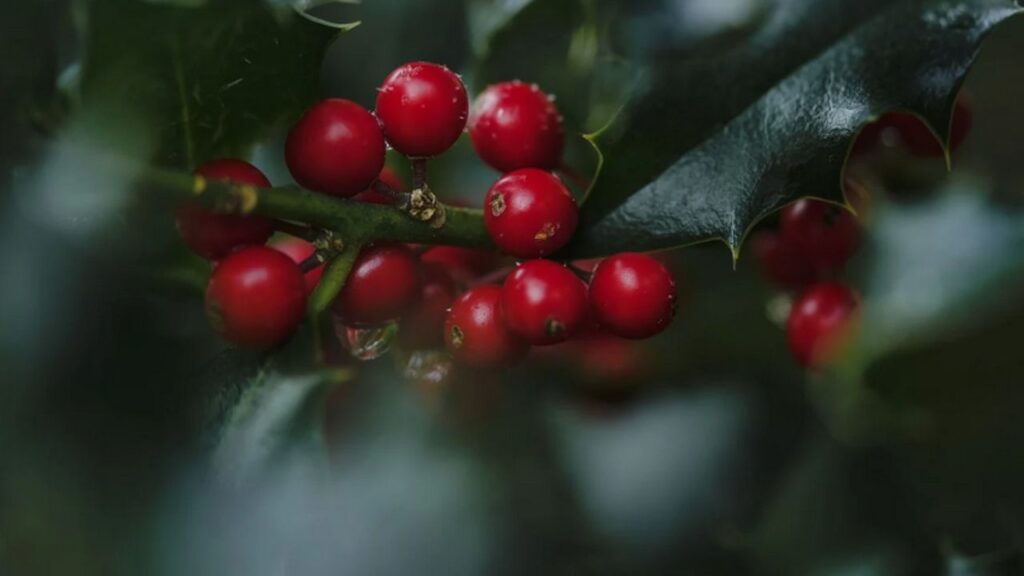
[(355, 221), (330, 285)]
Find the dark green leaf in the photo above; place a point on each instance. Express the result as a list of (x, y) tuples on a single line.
[(711, 144), (203, 81)]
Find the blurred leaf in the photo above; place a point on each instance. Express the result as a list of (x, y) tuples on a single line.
[(274, 415), (561, 47), (710, 145), (207, 80), (934, 373)]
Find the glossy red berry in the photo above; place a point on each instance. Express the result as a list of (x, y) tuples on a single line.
[(464, 264), (384, 283), (371, 196), (337, 148), (632, 295), (544, 302), (827, 236), (212, 235), (299, 251), (422, 108), (819, 322), (256, 297), (515, 125), (529, 213), (423, 326), (475, 330), (906, 129), (780, 263)]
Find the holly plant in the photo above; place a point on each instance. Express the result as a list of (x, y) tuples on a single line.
[(454, 198)]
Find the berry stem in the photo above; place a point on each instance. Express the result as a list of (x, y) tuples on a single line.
[(419, 173), (358, 221), (331, 283), (494, 277), (310, 264), (399, 198), (297, 230)]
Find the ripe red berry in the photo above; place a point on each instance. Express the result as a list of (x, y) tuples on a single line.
[(212, 235), (514, 125), (423, 327), (529, 213), (256, 297), (422, 108), (475, 330), (337, 148), (371, 196), (819, 322), (384, 283), (632, 295), (779, 262), (464, 264), (827, 236), (906, 129), (544, 302), (299, 251)]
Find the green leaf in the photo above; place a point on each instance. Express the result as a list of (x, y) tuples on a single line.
[(203, 80), (562, 47), (712, 143)]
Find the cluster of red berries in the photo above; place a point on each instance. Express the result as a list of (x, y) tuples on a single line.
[(815, 240), (257, 295)]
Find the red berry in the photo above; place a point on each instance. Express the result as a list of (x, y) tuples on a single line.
[(464, 264), (906, 129), (819, 322), (475, 330), (544, 302), (256, 297), (514, 125), (384, 283), (212, 235), (299, 251), (779, 262), (632, 295), (423, 327), (371, 196), (337, 148), (529, 213), (422, 108), (827, 236)]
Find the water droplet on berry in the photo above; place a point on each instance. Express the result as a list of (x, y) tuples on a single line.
[(368, 343)]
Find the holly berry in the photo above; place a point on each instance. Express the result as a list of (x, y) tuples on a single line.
[(299, 251), (475, 330), (213, 235), (371, 196), (514, 125), (827, 236), (819, 322), (632, 295), (337, 148), (544, 302), (423, 327), (529, 213), (256, 297), (422, 108), (383, 284), (903, 128), (779, 262)]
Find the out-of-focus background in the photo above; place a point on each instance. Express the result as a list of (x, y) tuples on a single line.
[(704, 451)]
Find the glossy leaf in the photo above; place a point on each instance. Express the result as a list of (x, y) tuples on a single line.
[(711, 144), (205, 80)]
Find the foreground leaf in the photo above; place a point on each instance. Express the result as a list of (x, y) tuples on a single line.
[(204, 81), (709, 145)]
